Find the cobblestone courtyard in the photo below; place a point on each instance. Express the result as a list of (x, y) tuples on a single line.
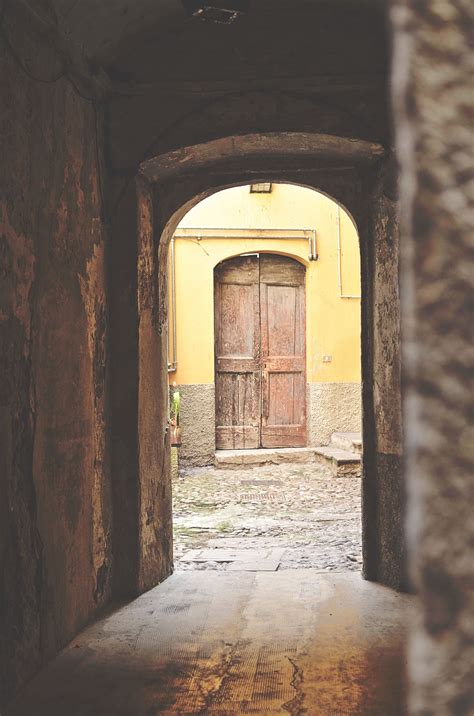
[(299, 511)]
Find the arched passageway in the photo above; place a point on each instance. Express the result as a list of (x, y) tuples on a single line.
[(355, 174), (295, 92), (168, 187)]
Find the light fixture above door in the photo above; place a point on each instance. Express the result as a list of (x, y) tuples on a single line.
[(262, 188)]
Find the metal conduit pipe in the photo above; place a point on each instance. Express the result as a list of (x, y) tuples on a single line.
[(308, 235), (173, 365), (339, 256), (197, 234)]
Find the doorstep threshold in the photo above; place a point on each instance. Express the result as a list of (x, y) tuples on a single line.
[(262, 456)]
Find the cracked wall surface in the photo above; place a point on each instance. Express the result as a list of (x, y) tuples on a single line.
[(153, 484), (55, 555)]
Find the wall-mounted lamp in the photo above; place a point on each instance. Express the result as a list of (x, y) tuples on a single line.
[(262, 188), (223, 12)]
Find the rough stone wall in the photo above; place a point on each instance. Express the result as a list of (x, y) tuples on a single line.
[(138, 401), (383, 486), (55, 551), (123, 361), (433, 103), (332, 407), (198, 425), (154, 484)]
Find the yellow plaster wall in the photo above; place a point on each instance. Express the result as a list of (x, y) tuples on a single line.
[(332, 322)]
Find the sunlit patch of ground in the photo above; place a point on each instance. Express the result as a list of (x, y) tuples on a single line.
[(302, 508)]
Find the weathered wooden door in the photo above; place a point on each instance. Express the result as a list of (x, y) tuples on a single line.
[(260, 352)]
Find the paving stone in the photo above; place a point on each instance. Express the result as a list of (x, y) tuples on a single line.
[(253, 560), (312, 517)]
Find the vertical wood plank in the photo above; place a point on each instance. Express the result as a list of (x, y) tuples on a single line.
[(237, 353), (282, 301)]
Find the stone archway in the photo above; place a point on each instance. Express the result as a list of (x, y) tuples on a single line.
[(359, 177)]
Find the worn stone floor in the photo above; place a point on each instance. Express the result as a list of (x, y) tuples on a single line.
[(293, 642), (300, 511)]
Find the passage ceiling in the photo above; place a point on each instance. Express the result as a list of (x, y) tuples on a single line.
[(143, 39)]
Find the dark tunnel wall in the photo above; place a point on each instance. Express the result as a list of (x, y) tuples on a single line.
[(55, 549)]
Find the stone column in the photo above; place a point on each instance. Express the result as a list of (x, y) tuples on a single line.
[(154, 499), (139, 403), (382, 487), (433, 100)]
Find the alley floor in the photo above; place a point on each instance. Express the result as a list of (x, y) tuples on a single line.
[(287, 516), (294, 642)]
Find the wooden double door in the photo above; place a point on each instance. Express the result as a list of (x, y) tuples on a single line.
[(260, 352)]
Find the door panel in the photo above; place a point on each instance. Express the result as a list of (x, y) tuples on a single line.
[(238, 409), (283, 316), (282, 306), (237, 352), (235, 301)]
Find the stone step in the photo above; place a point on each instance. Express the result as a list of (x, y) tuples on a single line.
[(351, 442), (262, 456), (343, 463)]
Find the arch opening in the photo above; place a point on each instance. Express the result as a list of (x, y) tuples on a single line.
[(264, 359)]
